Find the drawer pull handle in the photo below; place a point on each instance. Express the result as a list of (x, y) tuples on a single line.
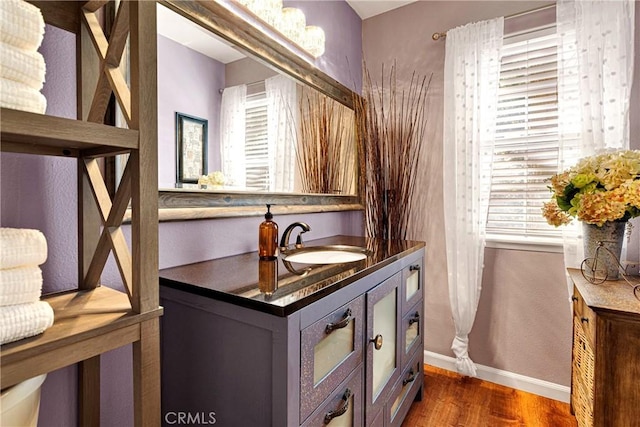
[(584, 320), (574, 298), (341, 410), (410, 378), (377, 341), (339, 325), (415, 267), (414, 319)]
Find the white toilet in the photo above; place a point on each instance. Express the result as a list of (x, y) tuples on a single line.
[(19, 405)]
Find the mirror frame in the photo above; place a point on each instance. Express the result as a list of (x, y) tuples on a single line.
[(181, 204)]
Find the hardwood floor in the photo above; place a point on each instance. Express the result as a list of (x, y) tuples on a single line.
[(453, 400)]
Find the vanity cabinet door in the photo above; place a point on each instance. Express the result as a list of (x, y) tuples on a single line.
[(330, 349), (411, 285), (383, 350), (343, 408), (403, 391), (411, 332)]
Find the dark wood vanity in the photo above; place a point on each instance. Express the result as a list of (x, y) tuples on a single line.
[(336, 343)]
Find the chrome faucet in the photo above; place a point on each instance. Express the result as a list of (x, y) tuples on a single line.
[(284, 242)]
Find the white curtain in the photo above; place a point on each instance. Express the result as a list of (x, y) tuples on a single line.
[(595, 74), (233, 113), (282, 113), (471, 78)]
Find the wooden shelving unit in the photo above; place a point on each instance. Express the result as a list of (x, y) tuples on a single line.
[(95, 319), (87, 324)]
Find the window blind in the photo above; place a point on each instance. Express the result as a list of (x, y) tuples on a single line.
[(526, 145), (256, 142)]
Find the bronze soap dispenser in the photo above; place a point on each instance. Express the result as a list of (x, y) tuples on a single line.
[(268, 237)]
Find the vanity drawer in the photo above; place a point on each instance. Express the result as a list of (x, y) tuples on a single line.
[(577, 302), (330, 350), (344, 407), (585, 315), (588, 321), (403, 392), (411, 333), (411, 285)]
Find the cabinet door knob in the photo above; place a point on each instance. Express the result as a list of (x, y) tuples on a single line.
[(574, 298), (415, 267), (341, 410), (414, 319), (584, 320), (377, 341), (339, 325)]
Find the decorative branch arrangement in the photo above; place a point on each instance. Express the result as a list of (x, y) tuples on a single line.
[(391, 127), (325, 147)]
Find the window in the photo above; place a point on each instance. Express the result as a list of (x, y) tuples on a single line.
[(526, 145), (256, 142)]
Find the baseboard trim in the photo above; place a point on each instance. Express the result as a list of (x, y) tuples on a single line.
[(506, 378)]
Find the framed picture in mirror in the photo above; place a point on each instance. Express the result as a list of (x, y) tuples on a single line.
[(191, 148)]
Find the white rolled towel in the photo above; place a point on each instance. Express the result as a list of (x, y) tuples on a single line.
[(22, 66), (19, 96), (20, 285), (21, 24), (22, 247), (24, 320)]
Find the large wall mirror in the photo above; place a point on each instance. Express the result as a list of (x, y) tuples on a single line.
[(276, 129)]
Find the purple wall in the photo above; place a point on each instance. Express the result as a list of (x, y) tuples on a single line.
[(342, 27), (40, 192), (188, 83)]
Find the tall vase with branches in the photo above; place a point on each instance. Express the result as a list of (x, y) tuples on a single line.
[(392, 124)]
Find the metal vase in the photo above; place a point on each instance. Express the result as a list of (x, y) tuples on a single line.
[(611, 234)]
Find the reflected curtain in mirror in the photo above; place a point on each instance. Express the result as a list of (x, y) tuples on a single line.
[(232, 135), (282, 121)]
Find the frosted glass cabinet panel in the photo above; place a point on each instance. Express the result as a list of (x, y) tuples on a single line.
[(412, 288), (330, 349), (384, 358), (411, 332), (383, 351), (413, 282)]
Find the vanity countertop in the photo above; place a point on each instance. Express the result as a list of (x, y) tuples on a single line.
[(278, 287)]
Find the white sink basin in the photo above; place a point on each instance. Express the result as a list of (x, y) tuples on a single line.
[(336, 254)]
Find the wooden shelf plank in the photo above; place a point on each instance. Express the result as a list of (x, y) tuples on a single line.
[(61, 14), (87, 323), (49, 135)]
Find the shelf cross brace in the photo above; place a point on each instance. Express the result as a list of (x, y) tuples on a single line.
[(111, 214), (111, 78)]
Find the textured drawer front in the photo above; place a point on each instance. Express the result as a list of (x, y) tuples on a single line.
[(411, 285), (577, 300), (330, 349), (585, 315), (403, 392), (588, 320), (411, 333), (343, 408)]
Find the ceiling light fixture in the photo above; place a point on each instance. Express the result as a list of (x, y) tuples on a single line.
[(289, 22)]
